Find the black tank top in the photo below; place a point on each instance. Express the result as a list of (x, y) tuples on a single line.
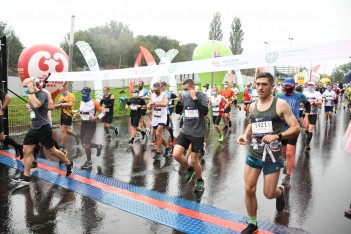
[(106, 100)]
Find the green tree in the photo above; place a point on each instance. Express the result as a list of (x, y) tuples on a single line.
[(215, 28), (15, 47), (236, 37), (339, 72)]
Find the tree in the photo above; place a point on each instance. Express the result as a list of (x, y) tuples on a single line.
[(15, 47), (215, 28), (339, 72), (236, 37)]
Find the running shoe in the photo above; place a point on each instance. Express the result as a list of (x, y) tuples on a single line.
[(221, 138), (157, 156), (69, 168), (77, 138), (188, 175), (22, 179), (280, 201), (199, 185), (286, 181), (88, 165), (98, 151), (116, 131), (250, 229), (239, 108), (108, 137), (130, 143), (168, 152)]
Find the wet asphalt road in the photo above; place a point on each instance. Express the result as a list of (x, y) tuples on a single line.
[(319, 194)]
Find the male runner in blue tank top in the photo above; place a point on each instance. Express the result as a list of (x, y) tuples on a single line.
[(294, 99), (268, 116)]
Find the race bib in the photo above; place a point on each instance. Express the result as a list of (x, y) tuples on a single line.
[(134, 107), (84, 117), (157, 112), (107, 110), (329, 98), (32, 114), (191, 113), (261, 126), (215, 108), (101, 115)]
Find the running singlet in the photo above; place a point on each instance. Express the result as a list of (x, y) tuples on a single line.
[(159, 114), (247, 95), (254, 95), (227, 94), (89, 109), (313, 97), (329, 98), (107, 101), (294, 101), (217, 105)]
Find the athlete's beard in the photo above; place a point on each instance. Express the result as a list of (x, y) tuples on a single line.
[(140, 87)]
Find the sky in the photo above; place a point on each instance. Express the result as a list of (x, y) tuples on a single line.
[(308, 22)]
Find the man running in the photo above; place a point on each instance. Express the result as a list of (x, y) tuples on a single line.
[(136, 103), (315, 99), (228, 94), (294, 99), (329, 96), (6, 139), (87, 111), (266, 129), (41, 131), (158, 104), (195, 106), (218, 104), (235, 96), (108, 102), (65, 104), (163, 87), (247, 99), (143, 94), (337, 91)]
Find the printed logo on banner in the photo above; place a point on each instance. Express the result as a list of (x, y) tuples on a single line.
[(215, 63), (172, 68), (271, 57), (92, 63)]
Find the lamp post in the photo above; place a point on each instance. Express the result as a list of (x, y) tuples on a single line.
[(266, 42), (290, 39), (212, 77)]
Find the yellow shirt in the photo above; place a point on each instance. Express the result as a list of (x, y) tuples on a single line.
[(67, 111)]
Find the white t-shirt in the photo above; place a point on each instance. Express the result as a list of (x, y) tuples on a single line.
[(313, 97), (329, 97)]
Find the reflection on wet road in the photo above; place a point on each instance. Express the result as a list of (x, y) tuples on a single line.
[(319, 194)]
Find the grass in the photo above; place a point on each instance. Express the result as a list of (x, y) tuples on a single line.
[(20, 115)]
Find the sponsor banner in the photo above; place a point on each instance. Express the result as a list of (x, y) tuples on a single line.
[(291, 56), (93, 64)]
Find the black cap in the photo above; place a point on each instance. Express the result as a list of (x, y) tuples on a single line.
[(206, 85), (136, 91), (163, 83)]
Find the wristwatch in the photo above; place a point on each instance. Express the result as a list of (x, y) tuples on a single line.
[(280, 136)]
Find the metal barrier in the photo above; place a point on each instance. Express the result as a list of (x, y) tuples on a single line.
[(19, 120)]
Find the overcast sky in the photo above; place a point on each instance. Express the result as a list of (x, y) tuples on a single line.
[(272, 21)]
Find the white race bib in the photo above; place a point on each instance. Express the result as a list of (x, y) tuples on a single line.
[(190, 113), (215, 108), (84, 117), (32, 114), (261, 126), (134, 107), (329, 98), (157, 112), (101, 115), (107, 110)]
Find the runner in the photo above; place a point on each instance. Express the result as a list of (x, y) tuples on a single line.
[(158, 103), (136, 104), (337, 91), (228, 94), (169, 123), (193, 132), (235, 96), (247, 99), (108, 102), (294, 99), (208, 92), (268, 117), (87, 111), (315, 99), (218, 104), (143, 94), (6, 139), (329, 96), (41, 131), (65, 104), (278, 89)]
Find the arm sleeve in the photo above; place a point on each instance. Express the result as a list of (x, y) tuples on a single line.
[(202, 104)]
